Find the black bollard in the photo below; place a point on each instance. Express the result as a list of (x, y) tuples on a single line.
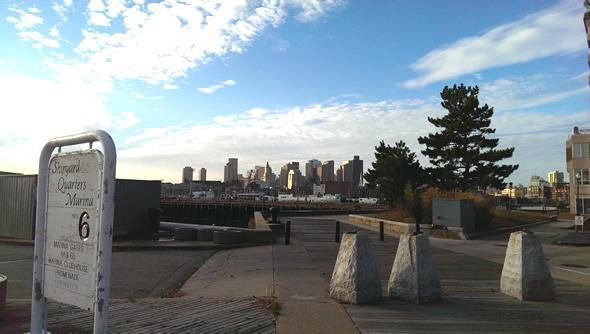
[(288, 233), (337, 235), (381, 232)]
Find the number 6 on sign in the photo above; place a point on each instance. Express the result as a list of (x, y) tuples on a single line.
[(83, 227)]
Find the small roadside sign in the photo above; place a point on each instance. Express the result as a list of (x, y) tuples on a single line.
[(73, 221), (74, 228)]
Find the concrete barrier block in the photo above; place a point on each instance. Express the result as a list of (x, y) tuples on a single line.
[(414, 277), (355, 279), (525, 274)]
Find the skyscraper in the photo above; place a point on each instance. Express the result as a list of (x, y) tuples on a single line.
[(203, 174), (357, 171), (284, 175), (311, 174), (294, 179), (555, 177), (327, 171), (230, 171), (187, 174)]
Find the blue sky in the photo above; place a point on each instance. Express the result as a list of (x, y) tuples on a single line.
[(193, 83)]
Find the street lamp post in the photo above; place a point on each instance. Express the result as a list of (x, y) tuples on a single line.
[(578, 180), (510, 196)]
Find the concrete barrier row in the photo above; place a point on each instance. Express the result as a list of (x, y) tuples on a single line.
[(406, 228), (414, 277)]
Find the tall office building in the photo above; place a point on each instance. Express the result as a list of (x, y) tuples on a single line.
[(555, 177), (326, 171), (346, 169), (295, 179), (267, 174), (202, 174), (284, 175), (311, 174), (339, 176), (357, 171), (577, 149), (230, 171), (187, 174)]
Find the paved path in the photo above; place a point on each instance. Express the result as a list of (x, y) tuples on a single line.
[(471, 298), (286, 272), (135, 274)]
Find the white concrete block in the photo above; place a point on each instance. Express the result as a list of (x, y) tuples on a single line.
[(525, 274), (355, 279), (413, 276)]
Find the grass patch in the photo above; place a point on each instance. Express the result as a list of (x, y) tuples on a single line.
[(395, 214), (271, 303), (504, 218), (173, 294)]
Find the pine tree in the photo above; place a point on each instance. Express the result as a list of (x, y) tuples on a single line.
[(393, 169), (463, 156)]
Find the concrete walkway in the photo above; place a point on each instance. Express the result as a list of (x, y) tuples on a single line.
[(471, 299), (287, 272), (302, 291)]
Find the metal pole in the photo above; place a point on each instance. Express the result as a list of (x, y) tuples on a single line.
[(417, 227), (381, 232), (337, 235), (288, 233), (578, 179)]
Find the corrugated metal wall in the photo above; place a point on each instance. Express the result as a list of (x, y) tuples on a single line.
[(133, 200), (17, 206)]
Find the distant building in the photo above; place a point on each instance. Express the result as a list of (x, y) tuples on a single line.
[(187, 174), (577, 152), (339, 174), (284, 175), (554, 177), (311, 174), (538, 188), (294, 180), (230, 171), (357, 171), (202, 174), (326, 173), (267, 175), (346, 170), (338, 188)]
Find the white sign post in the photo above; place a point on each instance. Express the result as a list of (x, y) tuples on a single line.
[(74, 228)]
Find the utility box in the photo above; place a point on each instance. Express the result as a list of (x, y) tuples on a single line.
[(454, 213)]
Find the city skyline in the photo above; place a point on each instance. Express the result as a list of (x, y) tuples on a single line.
[(351, 73)]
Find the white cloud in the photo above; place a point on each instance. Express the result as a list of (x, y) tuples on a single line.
[(39, 39), (511, 93), (62, 8), (169, 86), (162, 41), (54, 32), (126, 120), (25, 20), (335, 132), (554, 31), (140, 96), (313, 9), (324, 131), (34, 110), (216, 87)]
